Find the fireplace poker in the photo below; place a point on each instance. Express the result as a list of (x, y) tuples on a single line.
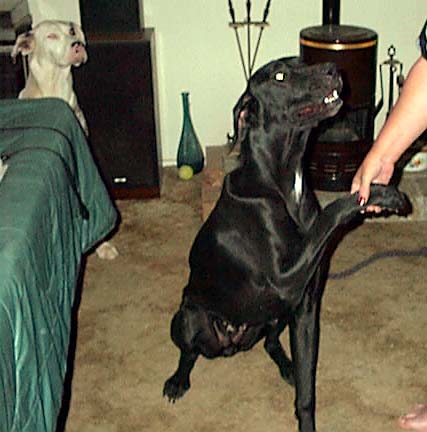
[(236, 32), (248, 16), (263, 24)]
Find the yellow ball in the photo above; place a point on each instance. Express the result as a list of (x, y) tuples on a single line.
[(185, 172)]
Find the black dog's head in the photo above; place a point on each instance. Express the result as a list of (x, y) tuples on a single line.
[(290, 94)]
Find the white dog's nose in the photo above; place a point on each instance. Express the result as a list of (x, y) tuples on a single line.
[(78, 44), (78, 53)]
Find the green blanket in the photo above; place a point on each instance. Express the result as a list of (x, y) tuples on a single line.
[(53, 208)]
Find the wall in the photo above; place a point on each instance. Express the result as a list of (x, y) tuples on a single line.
[(197, 51), (68, 10)]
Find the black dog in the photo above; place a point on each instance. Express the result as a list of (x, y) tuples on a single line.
[(258, 264)]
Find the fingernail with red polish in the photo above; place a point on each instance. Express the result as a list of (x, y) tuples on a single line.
[(361, 200)]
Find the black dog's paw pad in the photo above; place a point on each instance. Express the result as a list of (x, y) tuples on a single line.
[(173, 389)]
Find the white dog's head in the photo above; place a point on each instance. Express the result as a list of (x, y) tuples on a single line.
[(59, 42)]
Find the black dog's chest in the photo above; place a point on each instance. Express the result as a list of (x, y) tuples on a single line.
[(238, 257)]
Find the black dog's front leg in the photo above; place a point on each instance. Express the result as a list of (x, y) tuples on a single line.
[(179, 382), (304, 338), (337, 214)]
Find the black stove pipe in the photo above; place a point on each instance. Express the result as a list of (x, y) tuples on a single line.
[(331, 12)]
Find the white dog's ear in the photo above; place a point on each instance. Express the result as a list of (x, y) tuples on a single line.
[(24, 44)]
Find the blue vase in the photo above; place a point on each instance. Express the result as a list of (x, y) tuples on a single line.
[(189, 150)]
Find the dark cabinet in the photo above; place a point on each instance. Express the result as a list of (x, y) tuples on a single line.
[(117, 92)]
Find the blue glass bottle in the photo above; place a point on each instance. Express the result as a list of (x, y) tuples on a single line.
[(189, 150)]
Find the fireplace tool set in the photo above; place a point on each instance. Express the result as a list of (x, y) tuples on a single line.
[(248, 66), (394, 66)]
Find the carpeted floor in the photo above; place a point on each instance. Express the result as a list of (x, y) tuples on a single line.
[(373, 349)]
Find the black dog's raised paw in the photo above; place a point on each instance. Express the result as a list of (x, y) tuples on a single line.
[(390, 199), (174, 388)]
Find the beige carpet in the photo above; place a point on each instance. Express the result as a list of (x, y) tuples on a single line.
[(373, 351)]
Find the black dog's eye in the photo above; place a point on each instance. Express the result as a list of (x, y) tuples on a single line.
[(72, 31), (280, 76)]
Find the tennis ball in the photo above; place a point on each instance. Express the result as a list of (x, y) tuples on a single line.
[(185, 172)]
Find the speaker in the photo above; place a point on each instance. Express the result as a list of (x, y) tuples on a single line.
[(105, 16), (12, 77), (117, 92)]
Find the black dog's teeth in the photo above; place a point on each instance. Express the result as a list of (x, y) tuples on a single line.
[(331, 97)]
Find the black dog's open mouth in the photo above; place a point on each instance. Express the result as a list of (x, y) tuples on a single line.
[(328, 107)]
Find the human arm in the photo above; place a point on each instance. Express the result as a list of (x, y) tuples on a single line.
[(406, 122)]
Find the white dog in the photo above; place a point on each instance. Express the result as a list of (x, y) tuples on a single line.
[(53, 47)]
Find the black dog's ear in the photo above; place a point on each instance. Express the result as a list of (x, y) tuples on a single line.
[(245, 116)]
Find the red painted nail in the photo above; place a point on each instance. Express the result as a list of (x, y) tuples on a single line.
[(361, 200)]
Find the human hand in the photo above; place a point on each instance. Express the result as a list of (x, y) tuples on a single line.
[(372, 170)]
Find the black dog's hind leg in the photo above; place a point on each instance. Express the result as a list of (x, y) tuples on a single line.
[(275, 350), (179, 382)]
